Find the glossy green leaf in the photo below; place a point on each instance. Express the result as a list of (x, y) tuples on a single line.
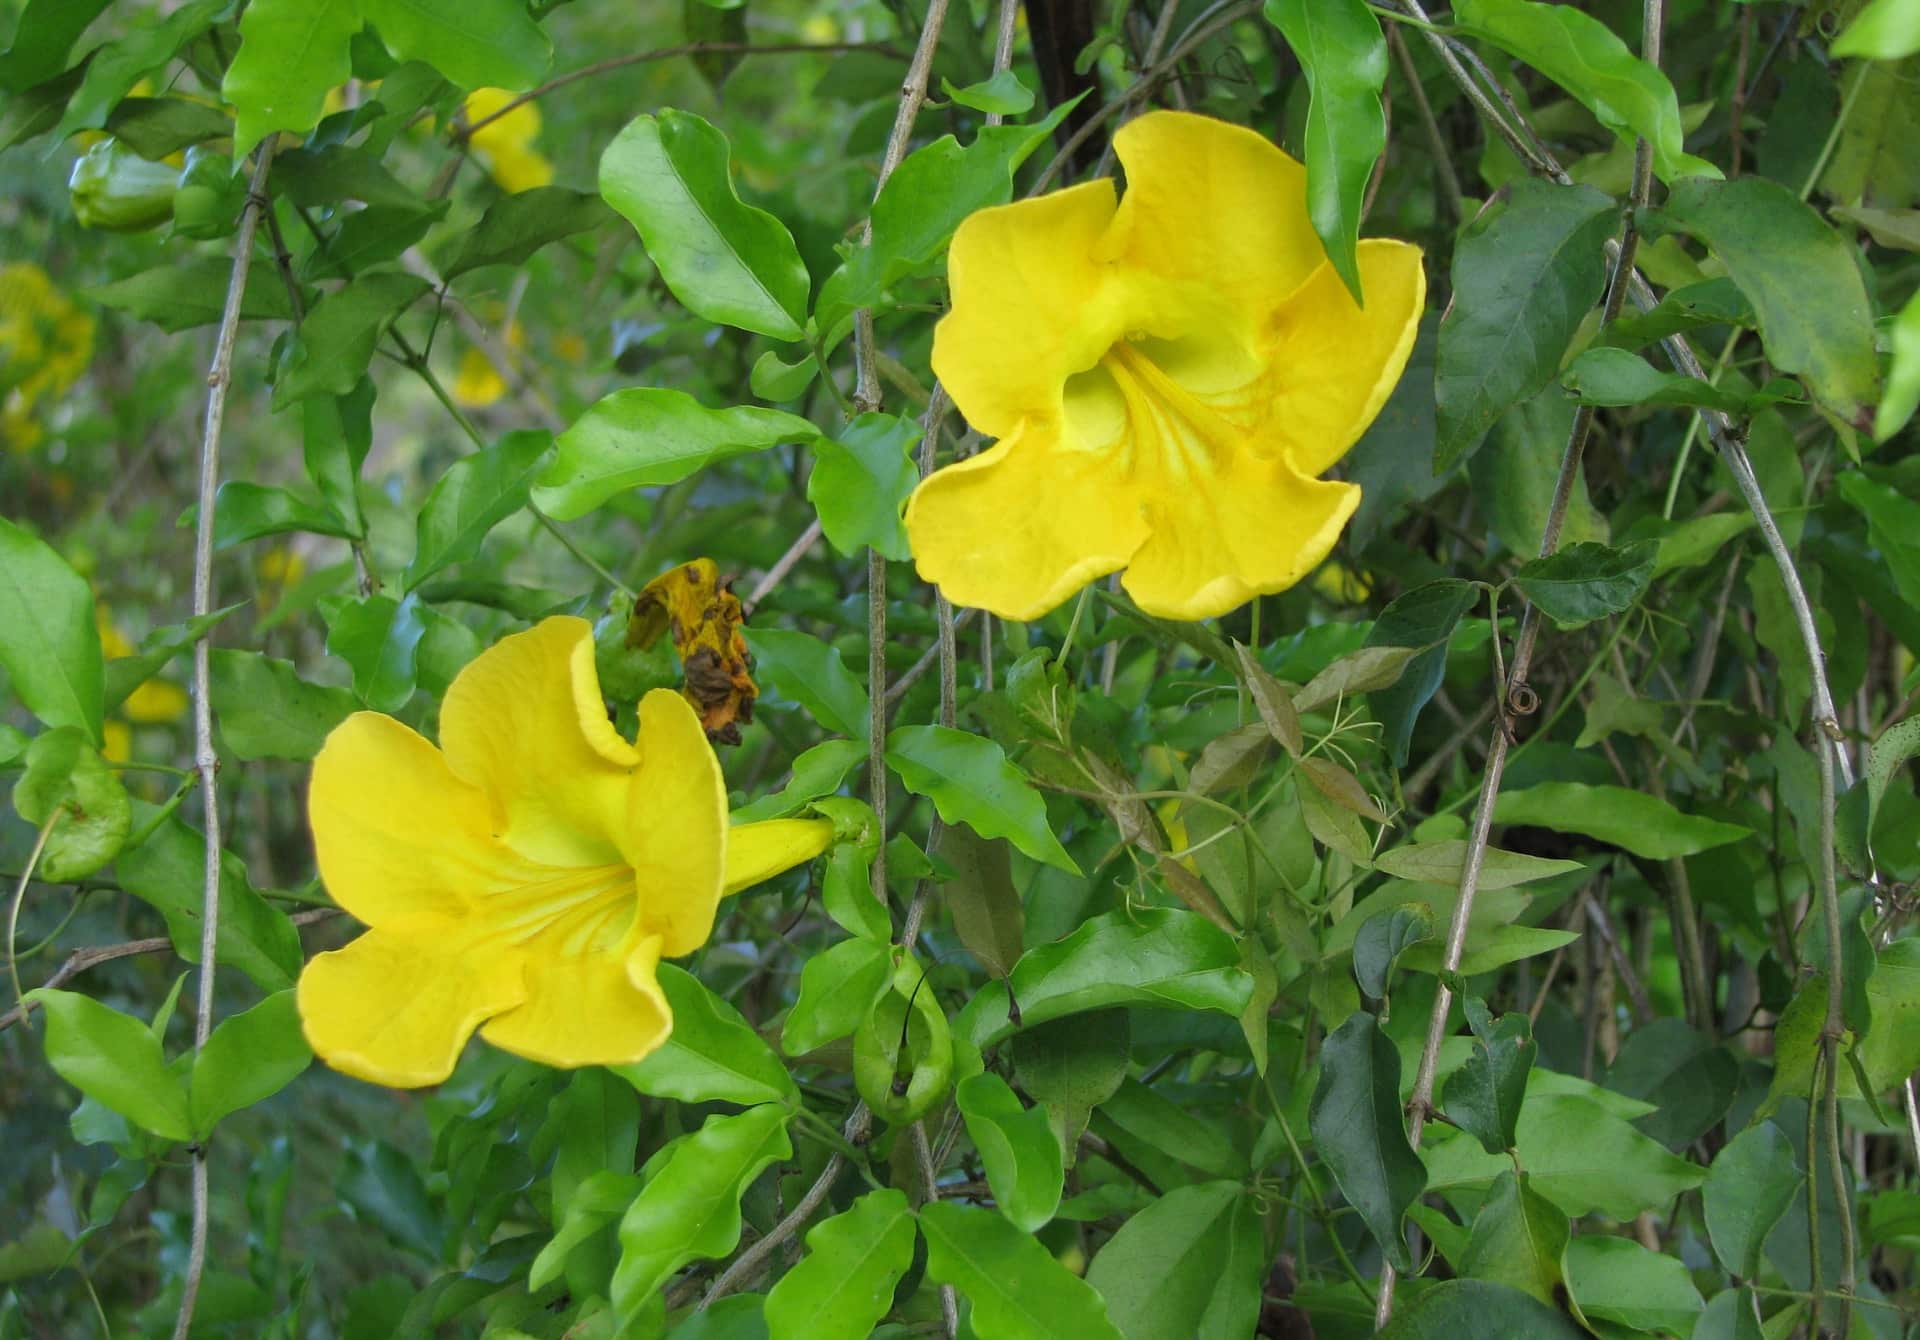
[(1885, 1055), (596, 1126), (117, 65), (1711, 302), (1524, 276), (474, 43), (1443, 862), (598, 1199), (1153, 1120), (670, 176), (1642, 824), (265, 710), (155, 128), (1344, 58), (986, 909), (970, 781), (1018, 1291), (860, 482), (649, 435), (292, 52), (1582, 54), (1799, 275), (690, 1207), (1478, 1310), (44, 34), (476, 494), (1358, 1130), (1188, 1264), (817, 772), (1903, 374), (380, 638), (1519, 1239), (335, 342), (713, 1054), (1003, 93), (168, 871), (1897, 743), (516, 226), (245, 511), (836, 988), (1423, 618), (1618, 1280), (1587, 581), (336, 433), (1689, 1078), (777, 380), (370, 237), (67, 781), (1699, 540), (1609, 376), (844, 1285), (1155, 956), (1484, 1096), (1884, 30), (194, 293), (1893, 523), (806, 670), (248, 1058), (1381, 938), (1017, 1148), (115, 1060), (49, 646), (1749, 1188)]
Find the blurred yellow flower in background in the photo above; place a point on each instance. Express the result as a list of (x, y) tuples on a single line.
[(477, 383), (1167, 375), (46, 343), (525, 877), (505, 146)]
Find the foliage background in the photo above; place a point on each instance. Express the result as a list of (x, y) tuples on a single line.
[(1665, 953)]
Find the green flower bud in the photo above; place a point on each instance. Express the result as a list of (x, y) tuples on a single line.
[(114, 188), (208, 197)]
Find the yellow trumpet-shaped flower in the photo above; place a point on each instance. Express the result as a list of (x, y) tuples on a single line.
[(1167, 375), (526, 877)]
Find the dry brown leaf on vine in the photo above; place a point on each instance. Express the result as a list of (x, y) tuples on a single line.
[(704, 618)]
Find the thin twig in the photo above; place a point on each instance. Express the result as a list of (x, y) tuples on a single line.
[(1442, 159), (783, 565), (746, 1266), (1622, 965), (205, 759), (930, 1191), (918, 670)]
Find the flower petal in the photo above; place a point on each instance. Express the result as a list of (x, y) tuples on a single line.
[(1337, 363), (524, 722), (396, 1006), (1032, 305), (1245, 527), (676, 828), (596, 1009), (757, 852), (395, 833), (1216, 208), (1023, 525)]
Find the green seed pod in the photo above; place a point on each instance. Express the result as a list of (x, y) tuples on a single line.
[(902, 1082), (114, 188), (208, 197)]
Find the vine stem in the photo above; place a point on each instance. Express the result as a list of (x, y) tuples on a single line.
[(206, 760)]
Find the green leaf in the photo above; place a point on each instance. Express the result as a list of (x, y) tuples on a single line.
[(476, 494), (1885, 1055), (844, 1285), (1524, 277), (515, 226), (1425, 618), (1190, 1263), (49, 645), (157, 127), (806, 670), (1898, 743), (817, 772), (1712, 302), (248, 1058), (1344, 58), (1642, 824), (1578, 1155), (1381, 937), (1750, 1187), (194, 293), (1443, 862), (713, 1054), (1018, 1291), (1799, 275), (1699, 540), (690, 1208), (244, 511), (861, 480), (369, 237), (116, 66), (1003, 94), (45, 33), (1587, 581), (336, 341), (1155, 1121), (836, 989), (776, 380), (1581, 54), (66, 776), (380, 638), (1884, 30), (168, 871), (671, 177), (1692, 1081), (1903, 375), (987, 912), (1519, 1239), (1618, 1280), (970, 781), (599, 1199), (292, 52), (336, 432), (265, 710), (1484, 1097), (1357, 1128), (1893, 523), (115, 1060), (474, 43), (1478, 1310), (1157, 957), (320, 177), (1017, 1149), (1608, 376), (649, 435)]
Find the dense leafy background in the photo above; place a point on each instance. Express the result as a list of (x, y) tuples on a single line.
[(1189, 884)]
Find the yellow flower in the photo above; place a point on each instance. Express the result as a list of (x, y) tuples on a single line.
[(1166, 377), (478, 383), (154, 702), (526, 877), (505, 145)]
